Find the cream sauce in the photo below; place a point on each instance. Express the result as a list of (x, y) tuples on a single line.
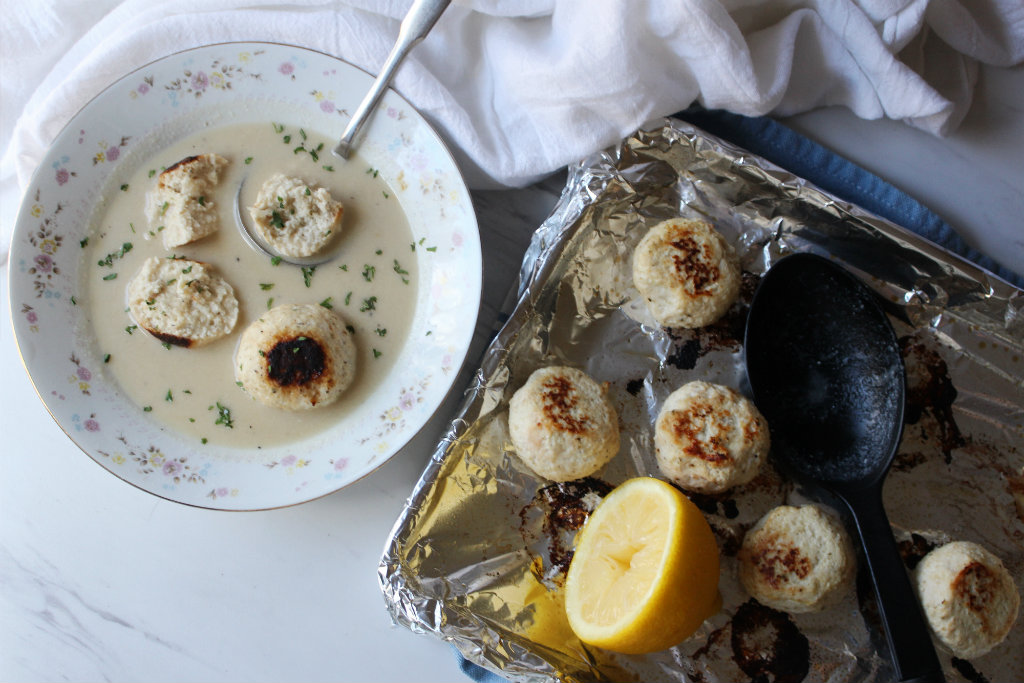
[(186, 388)]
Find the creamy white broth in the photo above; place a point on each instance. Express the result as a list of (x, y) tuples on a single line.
[(371, 284)]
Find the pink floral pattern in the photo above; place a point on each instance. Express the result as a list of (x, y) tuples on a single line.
[(107, 153), (46, 242), (151, 460), (325, 101), (81, 376), (290, 463), (45, 275), (394, 418), (220, 75)]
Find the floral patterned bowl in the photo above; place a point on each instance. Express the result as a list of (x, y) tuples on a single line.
[(169, 98)]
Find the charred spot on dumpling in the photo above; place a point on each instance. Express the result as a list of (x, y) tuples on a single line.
[(299, 360), (296, 357), (171, 338)]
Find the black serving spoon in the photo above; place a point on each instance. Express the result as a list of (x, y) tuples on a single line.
[(825, 369)]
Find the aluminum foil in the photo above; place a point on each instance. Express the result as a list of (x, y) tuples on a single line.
[(479, 555)]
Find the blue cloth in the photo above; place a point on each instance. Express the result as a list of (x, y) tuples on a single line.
[(788, 149), (475, 671)]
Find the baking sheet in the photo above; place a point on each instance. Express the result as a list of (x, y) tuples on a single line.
[(479, 555)]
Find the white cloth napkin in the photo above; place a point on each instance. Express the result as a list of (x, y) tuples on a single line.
[(520, 88)]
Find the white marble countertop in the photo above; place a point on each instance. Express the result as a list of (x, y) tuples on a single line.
[(101, 581)]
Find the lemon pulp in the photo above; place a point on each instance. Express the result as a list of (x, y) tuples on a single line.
[(644, 574)]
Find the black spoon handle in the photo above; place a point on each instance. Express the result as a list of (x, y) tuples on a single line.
[(910, 643)]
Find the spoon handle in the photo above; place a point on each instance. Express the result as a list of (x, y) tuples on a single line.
[(422, 16), (910, 644)]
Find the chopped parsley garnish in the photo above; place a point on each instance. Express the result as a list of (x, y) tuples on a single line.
[(266, 286), (376, 353), (106, 358), (109, 259), (112, 276), (83, 243), (402, 272), (131, 328), (307, 274), (169, 397), (368, 272), (275, 260), (326, 303), (223, 416), (381, 331), (369, 304)]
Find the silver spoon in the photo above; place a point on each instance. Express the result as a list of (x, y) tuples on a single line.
[(418, 21)]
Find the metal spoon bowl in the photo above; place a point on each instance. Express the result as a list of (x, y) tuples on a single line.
[(418, 21), (254, 240), (826, 371)]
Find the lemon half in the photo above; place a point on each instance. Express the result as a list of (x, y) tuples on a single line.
[(644, 574)]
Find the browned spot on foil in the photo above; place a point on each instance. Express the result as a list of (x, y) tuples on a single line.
[(635, 386), (564, 511), (914, 549), (930, 391), (685, 354), (967, 670), (559, 401), (768, 646)]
